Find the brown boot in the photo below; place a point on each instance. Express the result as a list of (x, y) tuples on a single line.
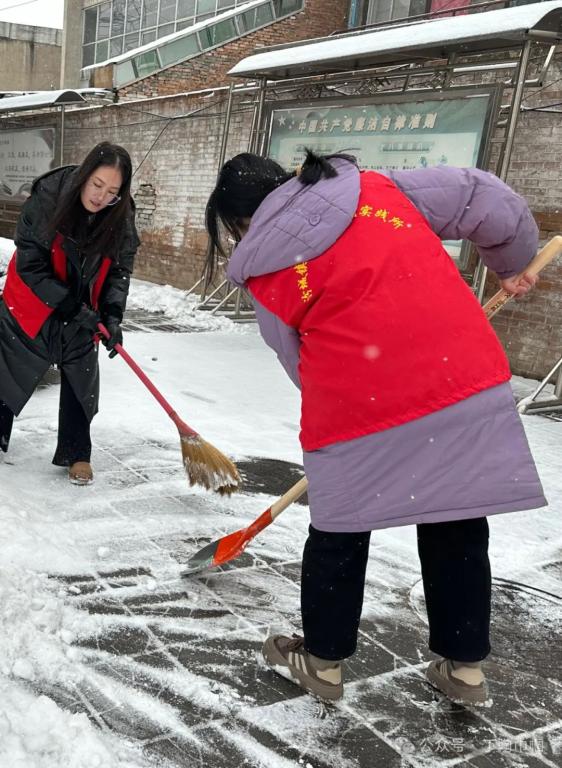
[(461, 683), (287, 657), (80, 473)]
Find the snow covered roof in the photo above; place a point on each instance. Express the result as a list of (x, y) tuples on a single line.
[(39, 99), (431, 39)]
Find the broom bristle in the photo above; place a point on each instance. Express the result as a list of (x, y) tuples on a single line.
[(207, 466)]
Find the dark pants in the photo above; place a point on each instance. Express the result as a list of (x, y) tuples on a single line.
[(456, 579), (74, 442)]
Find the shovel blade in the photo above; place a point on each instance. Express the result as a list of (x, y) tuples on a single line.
[(217, 552)]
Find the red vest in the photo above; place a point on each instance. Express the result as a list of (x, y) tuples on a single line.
[(26, 307), (389, 330)]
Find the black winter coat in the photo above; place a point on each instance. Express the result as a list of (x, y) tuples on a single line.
[(24, 361)]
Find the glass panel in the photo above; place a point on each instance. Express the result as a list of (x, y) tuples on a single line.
[(417, 7), (401, 9), (131, 41), (104, 17), (167, 11), (146, 63), (124, 73), (206, 6), (185, 23), (224, 5), (102, 51), (205, 17), (166, 29), (88, 55), (186, 8), (90, 24), (118, 18), (133, 15), (116, 46), (246, 21), (379, 10), (178, 50), (264, 14), (149, 13), (286, 7), (216, 34), (148, 37)]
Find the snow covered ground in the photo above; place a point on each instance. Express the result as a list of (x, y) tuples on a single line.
[(108, 659)]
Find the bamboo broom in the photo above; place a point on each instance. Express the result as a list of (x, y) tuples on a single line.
[(204, 464)]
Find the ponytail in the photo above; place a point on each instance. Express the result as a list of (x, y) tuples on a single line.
[(316, 167)]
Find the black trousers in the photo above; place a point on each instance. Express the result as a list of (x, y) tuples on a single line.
[(74, 442), (456, 579)]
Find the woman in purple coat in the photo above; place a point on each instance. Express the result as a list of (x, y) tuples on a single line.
[(407, 412)]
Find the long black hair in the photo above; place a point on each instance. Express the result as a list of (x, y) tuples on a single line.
[(243, 184), (104, 237)]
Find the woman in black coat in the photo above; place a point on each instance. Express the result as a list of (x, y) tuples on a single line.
[(75, 247)]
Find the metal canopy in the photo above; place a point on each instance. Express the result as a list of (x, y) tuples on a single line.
[(422, 41), (40, 99)]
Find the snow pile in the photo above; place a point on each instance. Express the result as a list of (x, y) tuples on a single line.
[(34, 731), (176, 304)]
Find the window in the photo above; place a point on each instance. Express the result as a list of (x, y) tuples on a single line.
[(216, 34), (90, 24), (264, 14), (186, 8), (115, 46), (146, 63), (88, 55), (286, 7), (166, 29), (246, 21), (124, 73), (104, 18), (179, 50), (206, 6), (133, 16), (118, 18), (148, 37), (115, 27), (131, 41), (149, 13), (387, 10), (167, 11), (102, 50)]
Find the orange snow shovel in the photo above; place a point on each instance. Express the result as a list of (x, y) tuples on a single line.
[(205, 465), (232, 545)]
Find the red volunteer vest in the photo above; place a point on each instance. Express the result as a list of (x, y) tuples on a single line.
[(26, 307), (389, 330)]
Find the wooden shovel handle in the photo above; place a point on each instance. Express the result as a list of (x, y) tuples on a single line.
[(543, 257), (294, 493)]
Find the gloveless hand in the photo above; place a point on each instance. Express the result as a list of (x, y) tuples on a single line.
[(519, 285)]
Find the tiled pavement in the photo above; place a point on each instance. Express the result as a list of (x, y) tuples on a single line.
[(174, 664)]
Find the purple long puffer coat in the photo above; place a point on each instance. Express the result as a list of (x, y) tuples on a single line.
[(468, 460)]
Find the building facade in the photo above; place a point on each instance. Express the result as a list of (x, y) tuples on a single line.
[(170, 116), (30, 56)]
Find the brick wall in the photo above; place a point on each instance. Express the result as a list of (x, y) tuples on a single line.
[(531, 328), (174, 180), (318, 18)]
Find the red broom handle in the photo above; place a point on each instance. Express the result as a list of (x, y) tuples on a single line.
[(148, 384)]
